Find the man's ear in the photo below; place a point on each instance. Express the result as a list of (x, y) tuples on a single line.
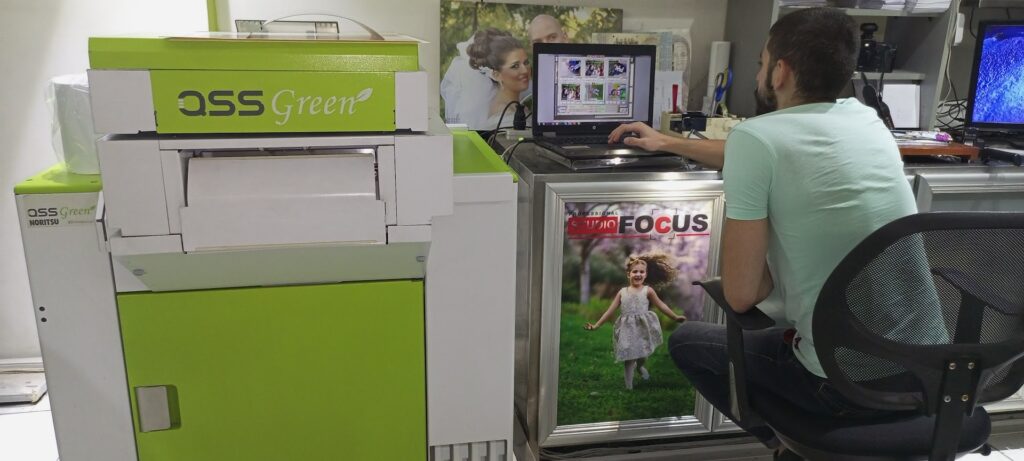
[(781, 74)]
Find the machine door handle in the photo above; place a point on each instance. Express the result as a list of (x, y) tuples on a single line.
[(158, 408)]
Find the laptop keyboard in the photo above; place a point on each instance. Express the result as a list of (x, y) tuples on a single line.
[(577, 140)]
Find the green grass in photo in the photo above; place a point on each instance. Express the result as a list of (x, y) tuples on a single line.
[(591, 384)]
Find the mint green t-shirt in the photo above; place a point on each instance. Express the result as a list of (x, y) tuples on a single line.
[(825, 175)]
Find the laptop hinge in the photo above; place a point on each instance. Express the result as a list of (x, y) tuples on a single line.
[(548, 134)]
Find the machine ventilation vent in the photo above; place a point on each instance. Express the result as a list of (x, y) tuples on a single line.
[(476, 451)]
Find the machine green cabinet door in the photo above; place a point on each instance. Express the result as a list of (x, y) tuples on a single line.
[(318, 372)]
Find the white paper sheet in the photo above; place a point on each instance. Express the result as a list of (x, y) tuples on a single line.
[(904, 101)]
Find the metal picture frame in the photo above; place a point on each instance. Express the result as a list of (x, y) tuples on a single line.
[(550, 434)]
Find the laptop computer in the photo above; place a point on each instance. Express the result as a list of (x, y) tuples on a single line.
[(584, 91)]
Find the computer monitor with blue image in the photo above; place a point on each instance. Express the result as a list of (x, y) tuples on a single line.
[(996, 99)]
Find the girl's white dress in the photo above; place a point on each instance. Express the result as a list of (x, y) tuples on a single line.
[(637, 330)]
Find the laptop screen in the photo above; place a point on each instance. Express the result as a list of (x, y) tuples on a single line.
[(589, 86)]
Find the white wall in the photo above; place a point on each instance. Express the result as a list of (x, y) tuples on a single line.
[(421, 19), (40, 39)]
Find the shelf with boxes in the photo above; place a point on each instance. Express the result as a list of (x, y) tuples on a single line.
[(872, 12)]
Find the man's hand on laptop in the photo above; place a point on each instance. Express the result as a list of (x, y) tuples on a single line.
[(638, 134)]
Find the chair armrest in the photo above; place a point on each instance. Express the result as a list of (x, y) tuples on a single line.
[(735, 324), (754, 319), (967, 286)]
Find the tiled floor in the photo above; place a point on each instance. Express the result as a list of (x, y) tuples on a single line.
[(26, 434)]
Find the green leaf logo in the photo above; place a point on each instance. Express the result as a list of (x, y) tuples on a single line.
[(364, 95)]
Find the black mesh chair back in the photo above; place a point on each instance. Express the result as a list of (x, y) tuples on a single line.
[(926, 315)]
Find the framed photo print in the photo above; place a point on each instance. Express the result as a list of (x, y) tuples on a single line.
[(619, 260)]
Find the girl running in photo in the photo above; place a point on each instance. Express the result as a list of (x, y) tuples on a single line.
[(637, 330)]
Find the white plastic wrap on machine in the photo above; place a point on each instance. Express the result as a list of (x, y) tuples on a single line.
[(73, 136)]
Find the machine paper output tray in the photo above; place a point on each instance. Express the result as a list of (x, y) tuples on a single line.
[(251, 224), (247, 202)]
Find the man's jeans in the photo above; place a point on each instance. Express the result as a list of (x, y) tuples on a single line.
[(699, 350)]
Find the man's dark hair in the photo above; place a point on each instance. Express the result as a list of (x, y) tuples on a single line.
[(820, 45)]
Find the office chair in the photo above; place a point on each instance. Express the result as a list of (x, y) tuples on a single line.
[(924, 321)]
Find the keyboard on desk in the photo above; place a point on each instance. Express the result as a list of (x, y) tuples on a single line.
[(576, 140)]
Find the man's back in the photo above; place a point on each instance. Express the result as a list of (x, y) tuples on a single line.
[(825, 175)]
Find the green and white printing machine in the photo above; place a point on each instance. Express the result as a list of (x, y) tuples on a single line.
[(282, 259)]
